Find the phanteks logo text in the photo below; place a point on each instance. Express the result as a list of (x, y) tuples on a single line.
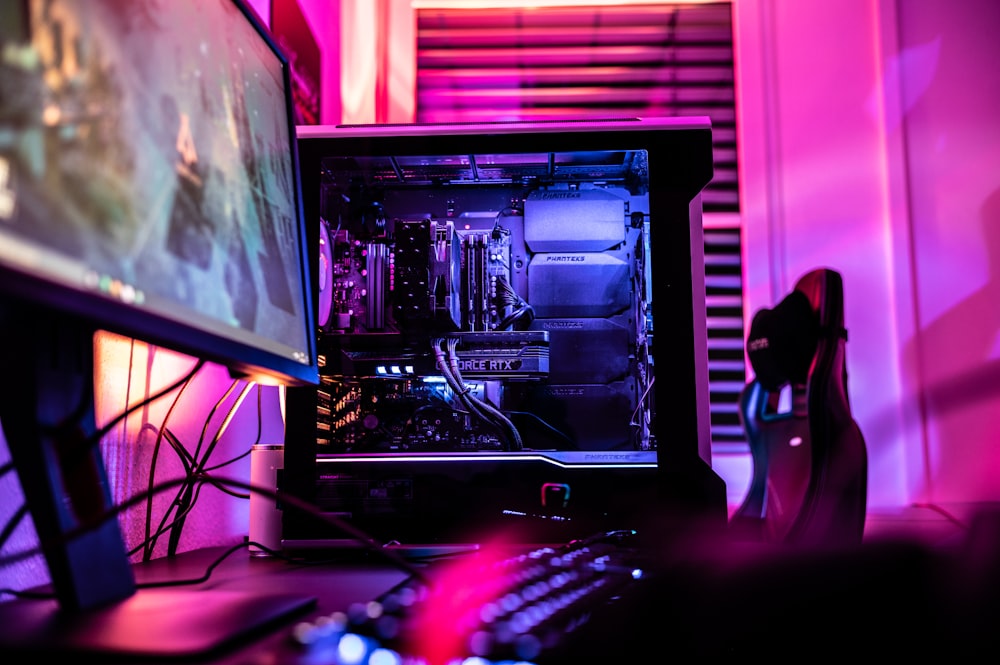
[(549, 196), (564, 257)]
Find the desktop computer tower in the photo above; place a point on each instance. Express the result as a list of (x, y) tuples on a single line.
[(488, 300)]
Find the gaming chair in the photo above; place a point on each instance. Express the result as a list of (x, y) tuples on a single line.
[(810, 463)]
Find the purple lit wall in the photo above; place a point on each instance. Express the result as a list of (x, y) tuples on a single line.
[(950, 112), (324, 19), (870, 143)]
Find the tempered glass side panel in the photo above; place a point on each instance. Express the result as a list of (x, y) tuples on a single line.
[(485, 302)]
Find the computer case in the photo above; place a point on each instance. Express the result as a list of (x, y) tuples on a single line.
[(489, 295)]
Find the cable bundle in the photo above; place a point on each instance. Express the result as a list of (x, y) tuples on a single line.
[(448, 366)]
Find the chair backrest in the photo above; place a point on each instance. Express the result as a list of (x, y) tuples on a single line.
[(810, 464)]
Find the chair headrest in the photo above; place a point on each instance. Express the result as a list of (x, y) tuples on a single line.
[(782, 342)]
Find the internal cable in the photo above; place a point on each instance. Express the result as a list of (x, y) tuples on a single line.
[(464, 394), (493, 415), (522, 313), (461, 391)]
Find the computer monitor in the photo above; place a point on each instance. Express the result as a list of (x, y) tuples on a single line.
[(489, 296), (148, 187)]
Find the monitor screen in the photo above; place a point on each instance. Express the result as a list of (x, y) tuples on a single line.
[(149, 187), (148, 182), (488, 299)]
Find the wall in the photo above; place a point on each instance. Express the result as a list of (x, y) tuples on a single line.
[(367, 49), (869, 144), (324, 18), (950, 114)]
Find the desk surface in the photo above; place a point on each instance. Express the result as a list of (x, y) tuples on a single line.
[(253, 601)]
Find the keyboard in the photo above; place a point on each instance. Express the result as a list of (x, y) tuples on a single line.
[(492, 607)]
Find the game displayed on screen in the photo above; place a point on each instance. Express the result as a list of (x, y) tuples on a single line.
[(144, 154)]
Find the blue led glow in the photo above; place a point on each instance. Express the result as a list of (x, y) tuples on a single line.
[(384, 657), (351, 649)]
